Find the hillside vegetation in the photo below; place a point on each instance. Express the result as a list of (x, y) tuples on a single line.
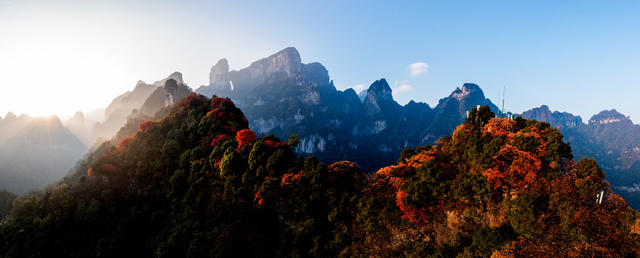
[(199, 183)]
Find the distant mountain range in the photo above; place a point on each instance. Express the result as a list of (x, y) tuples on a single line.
[(198, 182), (280, 95), (35, 151), (610, 137), (143, 101)]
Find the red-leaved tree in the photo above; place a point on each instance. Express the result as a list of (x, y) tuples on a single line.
[(245, 136), (145, 125)]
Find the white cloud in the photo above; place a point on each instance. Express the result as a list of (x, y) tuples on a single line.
[(418, 68), (403, 88)]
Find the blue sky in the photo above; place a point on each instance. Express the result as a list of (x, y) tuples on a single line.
[(575, 56)]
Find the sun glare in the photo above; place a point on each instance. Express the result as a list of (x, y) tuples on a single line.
[(63, 66), (57, 75)]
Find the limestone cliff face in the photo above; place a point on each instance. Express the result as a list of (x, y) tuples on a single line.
[(281, 95), (287, 62), (284, 66), (219, 76), (378, 98), (556, 119), (176, 76), (164, 96), (609, 117), (144, 100)]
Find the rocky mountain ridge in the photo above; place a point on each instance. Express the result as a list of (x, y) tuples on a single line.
[(280, 95), (144, 100), (610, 137)]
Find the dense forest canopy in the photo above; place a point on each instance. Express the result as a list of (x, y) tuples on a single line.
[(199, 183)]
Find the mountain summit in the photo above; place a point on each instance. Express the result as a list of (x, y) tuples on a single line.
[(608, 117), (219, 75), (286, 61), (176, 76), (280, 95), (452, 111), (379, 98), (556, 119), (283, 66)]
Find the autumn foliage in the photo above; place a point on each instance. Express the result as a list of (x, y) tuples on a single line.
[(200, 183), (500, 188), (218, 139), (124, 143), (145, 125), (513, 169), (290, 178), (244, 137)]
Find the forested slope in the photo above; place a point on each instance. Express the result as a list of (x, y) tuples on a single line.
[(199, 183)]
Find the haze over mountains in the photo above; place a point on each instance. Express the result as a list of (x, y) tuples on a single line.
[(35, 151), (282, 96)]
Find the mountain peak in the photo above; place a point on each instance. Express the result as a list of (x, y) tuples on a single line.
[(219, 72), (451, 111), (378, 85), (378, 97), (286, 60), (223, 62), (467, 90), (470, 86), (380, 89), (10, 115), (53, 122), (350, 91), (78, 115), (177, 76), (289, 52), (269, 74), (555, 118), (608, 117), (542, 113)]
